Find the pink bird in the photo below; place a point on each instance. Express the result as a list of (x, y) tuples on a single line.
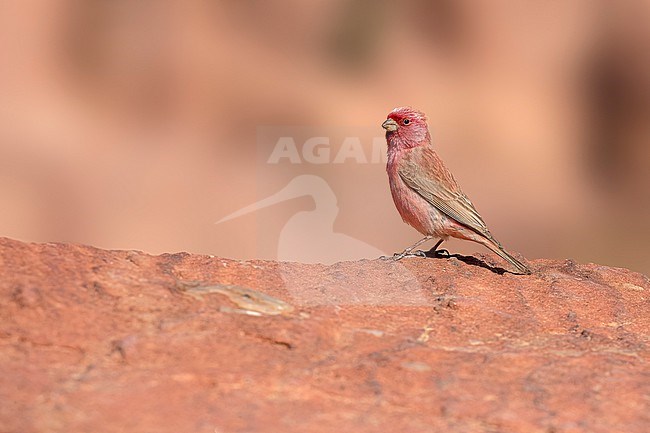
[(426, 194)]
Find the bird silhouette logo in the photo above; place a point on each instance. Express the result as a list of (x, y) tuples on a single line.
[(309, 236)]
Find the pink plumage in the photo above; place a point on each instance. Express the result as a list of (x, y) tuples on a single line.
[(425, 193)]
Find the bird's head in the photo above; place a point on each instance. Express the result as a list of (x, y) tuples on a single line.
[(406, 127)]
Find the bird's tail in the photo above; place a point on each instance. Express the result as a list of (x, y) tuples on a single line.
[(495, 246)]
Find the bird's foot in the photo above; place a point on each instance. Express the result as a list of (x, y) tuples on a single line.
[(408, 253), (395, 257), (440, 253), (417, 253)]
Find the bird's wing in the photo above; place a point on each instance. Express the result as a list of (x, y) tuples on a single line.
[(424, 172)]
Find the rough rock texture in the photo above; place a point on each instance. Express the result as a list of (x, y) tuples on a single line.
[(107, 341)]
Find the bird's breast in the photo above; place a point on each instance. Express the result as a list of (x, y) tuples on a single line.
[(414, 210)]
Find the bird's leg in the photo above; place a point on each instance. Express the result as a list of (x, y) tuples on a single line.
[(436, 252), (407, 252)]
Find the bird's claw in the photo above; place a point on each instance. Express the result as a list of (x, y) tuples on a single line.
[(418, 253), (399, 256), (441, 253)]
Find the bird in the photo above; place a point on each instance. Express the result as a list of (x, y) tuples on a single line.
[(426, 194)]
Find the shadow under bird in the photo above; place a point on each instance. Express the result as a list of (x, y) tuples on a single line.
[(425, 192)]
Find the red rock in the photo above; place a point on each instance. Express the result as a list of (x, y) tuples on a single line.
[(106, 341)]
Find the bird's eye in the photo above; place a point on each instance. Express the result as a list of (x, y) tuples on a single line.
[(406, 121)]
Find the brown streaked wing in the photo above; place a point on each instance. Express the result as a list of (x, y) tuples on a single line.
[(440, 190)]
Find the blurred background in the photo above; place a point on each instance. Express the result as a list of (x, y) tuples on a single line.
[(135, 125)]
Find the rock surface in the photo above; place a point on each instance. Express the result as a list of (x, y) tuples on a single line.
[(106, 341)]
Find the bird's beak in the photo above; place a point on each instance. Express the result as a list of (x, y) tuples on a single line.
[(390, 125)]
